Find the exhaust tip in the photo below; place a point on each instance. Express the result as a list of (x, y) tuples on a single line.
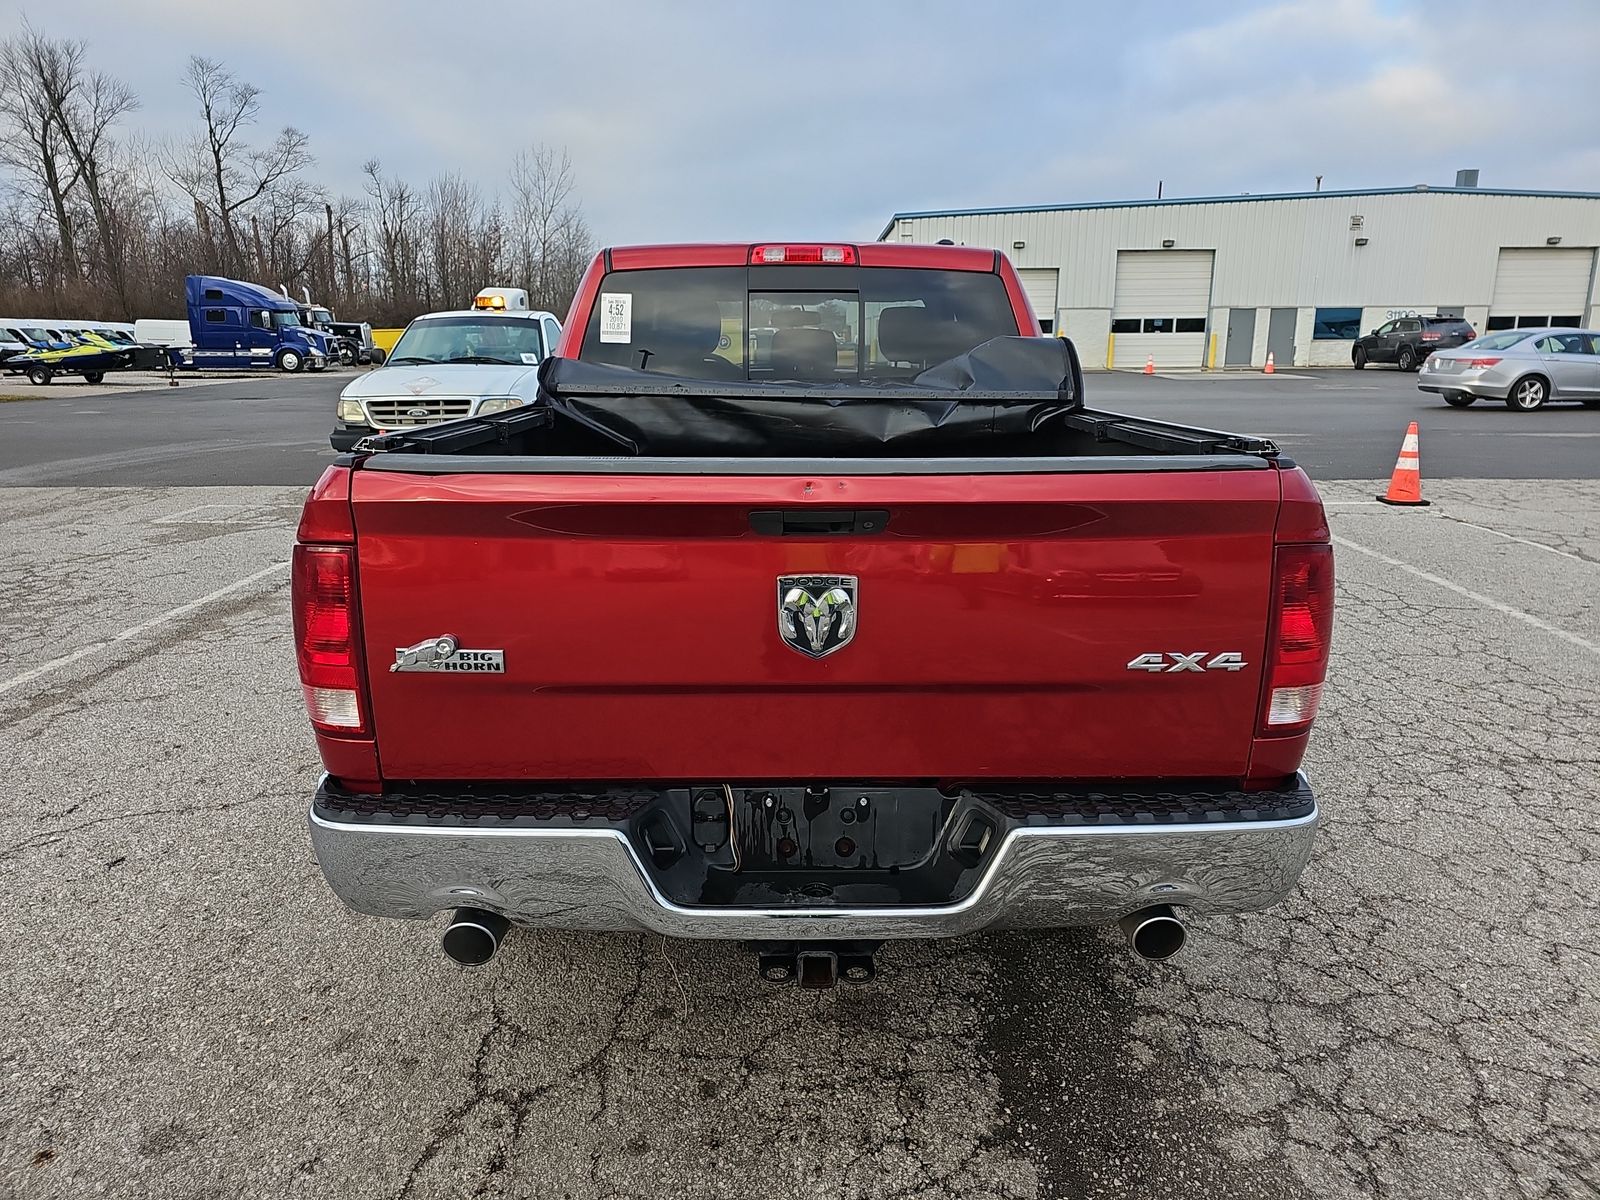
[(1154, 934), (473, 936)]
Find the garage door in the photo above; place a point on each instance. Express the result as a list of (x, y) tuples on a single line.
[(1040, 284), (1535, 287), (1160, 307)]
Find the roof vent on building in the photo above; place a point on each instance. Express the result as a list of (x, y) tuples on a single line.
[(1419, 187), (1467, 179)]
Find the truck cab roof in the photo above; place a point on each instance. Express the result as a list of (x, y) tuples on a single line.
[(203, 289), (738, 254)]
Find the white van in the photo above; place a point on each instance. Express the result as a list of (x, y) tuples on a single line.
[(10, 347)]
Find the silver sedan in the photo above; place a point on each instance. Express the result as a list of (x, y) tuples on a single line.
[(1526, 368)]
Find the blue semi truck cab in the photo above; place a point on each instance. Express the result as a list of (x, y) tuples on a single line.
[(235, 324)]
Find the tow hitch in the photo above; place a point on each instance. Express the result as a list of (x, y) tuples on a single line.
[(816, 965)]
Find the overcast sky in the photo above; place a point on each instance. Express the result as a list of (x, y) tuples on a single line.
[(742, 121)]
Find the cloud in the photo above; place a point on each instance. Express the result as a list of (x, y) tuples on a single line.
[(726, 120)]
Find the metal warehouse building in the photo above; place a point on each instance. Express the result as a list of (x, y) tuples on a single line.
[(1220, 281)]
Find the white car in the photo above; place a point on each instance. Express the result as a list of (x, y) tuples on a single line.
[(449, 365)]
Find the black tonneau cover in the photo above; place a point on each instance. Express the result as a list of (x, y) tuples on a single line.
[(1008, 385), (1012, 403)]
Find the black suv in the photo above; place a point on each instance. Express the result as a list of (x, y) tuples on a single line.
[(1406, 341)]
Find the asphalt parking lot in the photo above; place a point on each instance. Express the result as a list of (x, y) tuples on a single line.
[(192, 1014)]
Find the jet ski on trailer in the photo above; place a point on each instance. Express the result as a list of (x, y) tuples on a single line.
[(75, 353)]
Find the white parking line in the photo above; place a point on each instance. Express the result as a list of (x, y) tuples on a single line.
[(1490, 602), (1511, 537), (171, 614)]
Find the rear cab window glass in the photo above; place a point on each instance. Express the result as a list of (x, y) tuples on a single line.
[(820, 325)]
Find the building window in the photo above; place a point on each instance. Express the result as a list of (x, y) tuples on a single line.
[(1336, 325), (1159, 325), (1536, 321)]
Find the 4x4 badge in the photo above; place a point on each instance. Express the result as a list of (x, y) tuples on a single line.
[(817, 613), (444, 653), (1173, 662)]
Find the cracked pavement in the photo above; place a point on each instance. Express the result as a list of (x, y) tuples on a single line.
[(192, 1014)]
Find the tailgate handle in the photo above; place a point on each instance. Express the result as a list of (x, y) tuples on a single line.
[(818, 522)]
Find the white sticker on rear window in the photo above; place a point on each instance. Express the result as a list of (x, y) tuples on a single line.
[(616, 317), (531, 360)]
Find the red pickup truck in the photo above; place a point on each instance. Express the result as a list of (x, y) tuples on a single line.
[(811, 606)]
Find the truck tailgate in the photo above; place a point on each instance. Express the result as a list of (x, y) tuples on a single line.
[(996, 620)]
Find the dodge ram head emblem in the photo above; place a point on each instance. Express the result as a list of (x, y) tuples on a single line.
[(817, 613)]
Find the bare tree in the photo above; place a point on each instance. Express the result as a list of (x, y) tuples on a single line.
[(36, 149), (550, 239), (85, 105), (454, 214), (398, 213), (220, 172)]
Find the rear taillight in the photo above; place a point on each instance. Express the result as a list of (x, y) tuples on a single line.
[(1432, 337), (829, 255), (325, 637), (1301, 630), (1482, 362)]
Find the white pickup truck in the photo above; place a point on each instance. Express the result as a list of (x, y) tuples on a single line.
[(448, 365)]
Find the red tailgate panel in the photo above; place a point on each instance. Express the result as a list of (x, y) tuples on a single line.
[(638, 616)]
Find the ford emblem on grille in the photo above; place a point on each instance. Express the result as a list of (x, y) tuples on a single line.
[(416, 412), (817, 613)]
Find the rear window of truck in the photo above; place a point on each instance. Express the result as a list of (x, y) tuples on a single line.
[(818, 326)]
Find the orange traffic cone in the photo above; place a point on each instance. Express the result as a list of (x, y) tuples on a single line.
[(1405, 485), (1150, 365), (1271, 367)]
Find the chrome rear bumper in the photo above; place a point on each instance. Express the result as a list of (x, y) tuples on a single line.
[(596, 878)]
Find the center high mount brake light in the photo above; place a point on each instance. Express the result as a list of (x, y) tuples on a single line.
[(826, 255)]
